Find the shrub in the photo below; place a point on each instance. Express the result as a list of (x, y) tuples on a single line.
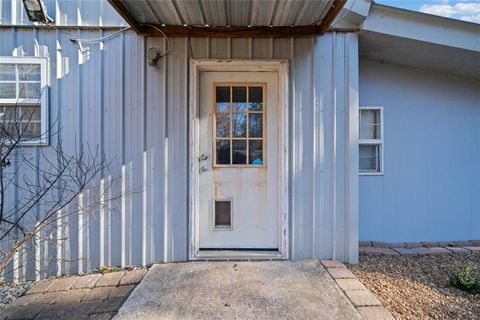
[(466, 279)]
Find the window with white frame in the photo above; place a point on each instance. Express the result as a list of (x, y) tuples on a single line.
[(371, 140), (23, 99)]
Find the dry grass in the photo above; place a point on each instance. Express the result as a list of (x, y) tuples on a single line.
[(417, 287)]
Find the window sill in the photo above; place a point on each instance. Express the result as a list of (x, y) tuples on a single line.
[(370, 173)]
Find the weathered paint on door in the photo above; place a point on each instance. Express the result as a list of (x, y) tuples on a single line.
[(238, 157)]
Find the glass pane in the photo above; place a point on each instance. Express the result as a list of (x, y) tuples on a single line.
[(239, 151), (255, 125), (239, 98), (30, 114), (7, 72), (223, 125), (30, 90), (223, 98), (223, 217), (9, 130), (31, 130), (223, 151), (369, 158), (239, 124), (29, 72), (255, 98), (370, 124), (7, 114), (7, 91), (255, 152)]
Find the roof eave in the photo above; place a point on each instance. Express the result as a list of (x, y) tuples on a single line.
[(233, 31)]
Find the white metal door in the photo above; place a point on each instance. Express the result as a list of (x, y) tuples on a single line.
[(239, 160)]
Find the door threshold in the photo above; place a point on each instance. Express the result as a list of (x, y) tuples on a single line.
[(236, 254)]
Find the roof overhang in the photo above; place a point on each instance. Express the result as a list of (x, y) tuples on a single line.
[(421, 41), (223, 18)]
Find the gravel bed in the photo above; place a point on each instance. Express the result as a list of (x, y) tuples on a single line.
[(10, 291), (417, 287)]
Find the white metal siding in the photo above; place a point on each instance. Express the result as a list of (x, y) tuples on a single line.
[(64, 12), (138, 115)]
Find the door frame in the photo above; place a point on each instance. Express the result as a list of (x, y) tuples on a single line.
[(203, 65)]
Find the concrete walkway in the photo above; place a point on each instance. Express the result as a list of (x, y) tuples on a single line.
[(238, 290)]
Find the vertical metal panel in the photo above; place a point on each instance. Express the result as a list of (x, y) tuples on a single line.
[(105, 95)]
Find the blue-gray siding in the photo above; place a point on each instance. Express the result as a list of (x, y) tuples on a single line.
[(431, 186)]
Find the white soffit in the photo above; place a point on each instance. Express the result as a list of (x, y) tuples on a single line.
[(420, 55), (229, 12), (423, 27), (421, 41)]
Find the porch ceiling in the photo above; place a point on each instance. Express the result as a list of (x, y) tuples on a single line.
[(229, 16)]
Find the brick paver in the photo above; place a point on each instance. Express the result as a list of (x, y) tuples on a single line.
[(111, 279), (458, 250), (341, 273), (419, 248), (431, 250), (406, 251), (378, 251), (350, 284), (41, 286), (62, 284), (72, 297), (332, 264), (362, 298), (398, 245), (110, 305), (133, 277), (430, 244), (98, 293), (75, 298), (22, 313), (122, 291), (380, 244), (87, 282)]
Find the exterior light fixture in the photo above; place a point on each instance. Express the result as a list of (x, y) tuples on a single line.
[(37, 11), (153, 55)]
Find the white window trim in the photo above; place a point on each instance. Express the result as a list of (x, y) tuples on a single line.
[(43, 62), (373, 141)]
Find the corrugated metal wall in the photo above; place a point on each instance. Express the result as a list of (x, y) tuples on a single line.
[(106, 95)]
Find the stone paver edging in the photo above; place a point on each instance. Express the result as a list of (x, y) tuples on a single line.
[(362, 299), (376, 248), (93, 296)]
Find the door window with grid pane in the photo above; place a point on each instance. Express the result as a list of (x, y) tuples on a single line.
[(371, 140), (239, 124), (23, 99)]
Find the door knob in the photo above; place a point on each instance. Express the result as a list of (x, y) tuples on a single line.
[(203, 157), (203, 169)]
